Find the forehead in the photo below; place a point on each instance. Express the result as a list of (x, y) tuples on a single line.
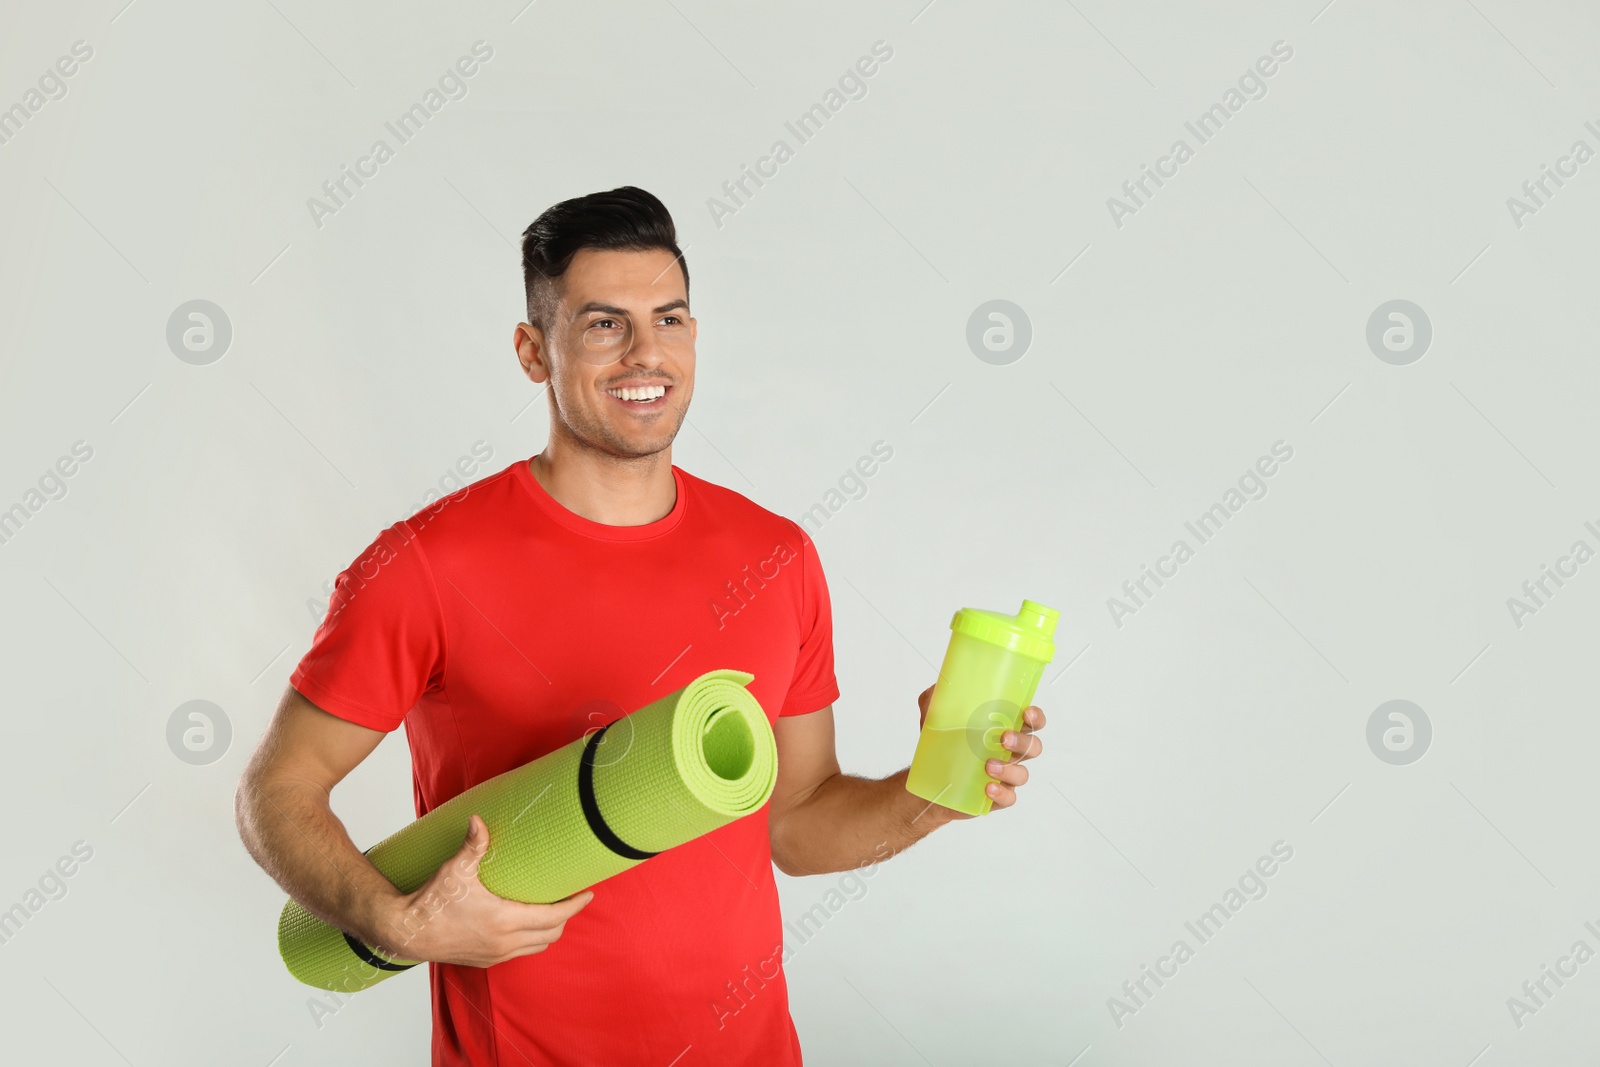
[(647, 277)]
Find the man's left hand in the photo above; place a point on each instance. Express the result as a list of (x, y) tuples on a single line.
[(1007, 775)]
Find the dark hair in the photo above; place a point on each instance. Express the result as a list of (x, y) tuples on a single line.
[(624, 218)]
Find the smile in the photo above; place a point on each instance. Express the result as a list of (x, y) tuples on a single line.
[(640, 397)]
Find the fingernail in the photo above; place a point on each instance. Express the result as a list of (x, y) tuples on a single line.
[(1009, 739)]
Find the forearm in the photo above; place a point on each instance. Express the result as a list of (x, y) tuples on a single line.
[(292, 832), (850, 822)]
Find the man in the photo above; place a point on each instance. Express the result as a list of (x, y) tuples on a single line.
[(540, 603)]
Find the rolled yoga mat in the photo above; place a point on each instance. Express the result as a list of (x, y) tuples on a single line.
[(675, 769)]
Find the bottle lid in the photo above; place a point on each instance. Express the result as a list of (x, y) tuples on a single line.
[(1030, 632)]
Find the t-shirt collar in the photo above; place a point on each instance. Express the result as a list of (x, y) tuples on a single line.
[(598, 530)]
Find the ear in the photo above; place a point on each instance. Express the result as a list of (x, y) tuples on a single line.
[(531, 352)]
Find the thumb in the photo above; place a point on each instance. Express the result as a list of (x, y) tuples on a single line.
[(475, 845)]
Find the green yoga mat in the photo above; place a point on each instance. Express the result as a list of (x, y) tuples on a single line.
[(675, 769)]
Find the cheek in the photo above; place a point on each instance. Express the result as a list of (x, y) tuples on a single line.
[(575, 379)]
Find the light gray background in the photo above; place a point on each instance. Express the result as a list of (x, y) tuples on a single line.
[(1229, 313)]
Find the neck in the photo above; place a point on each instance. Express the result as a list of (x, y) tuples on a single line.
[(613, 490)]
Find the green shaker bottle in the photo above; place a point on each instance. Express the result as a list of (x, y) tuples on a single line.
[(991, 670)]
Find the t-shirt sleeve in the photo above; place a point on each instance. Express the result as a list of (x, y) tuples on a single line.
[(381, 644), (814, 686)]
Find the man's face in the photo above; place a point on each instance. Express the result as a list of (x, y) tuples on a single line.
[(622, 324)]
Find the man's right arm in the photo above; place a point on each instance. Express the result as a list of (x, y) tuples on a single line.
[(288, 826)]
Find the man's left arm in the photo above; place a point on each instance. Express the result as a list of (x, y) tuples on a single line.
[(822, 820)]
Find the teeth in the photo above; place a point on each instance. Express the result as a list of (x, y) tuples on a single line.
[(647, 392)]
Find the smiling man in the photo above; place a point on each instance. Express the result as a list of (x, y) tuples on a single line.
[(547, 600)]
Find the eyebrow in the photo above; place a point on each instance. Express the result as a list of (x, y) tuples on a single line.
[(610, 309)]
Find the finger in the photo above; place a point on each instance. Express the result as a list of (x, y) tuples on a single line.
[(1033, 717), (1002, 795), (470, 854), (547, 916), (1026, 744), (1007, 773), (477, 840), (529, 949), (575, 903)]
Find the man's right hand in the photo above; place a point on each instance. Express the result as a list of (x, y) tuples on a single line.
[(454, 919)]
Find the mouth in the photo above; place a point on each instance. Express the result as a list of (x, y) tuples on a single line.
[(641, 399)]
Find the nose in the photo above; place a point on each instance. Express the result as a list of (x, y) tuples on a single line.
[(644, 348)]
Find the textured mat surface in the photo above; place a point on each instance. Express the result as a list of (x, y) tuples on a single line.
[(675, 769)]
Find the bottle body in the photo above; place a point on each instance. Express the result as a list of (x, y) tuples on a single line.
[(982, 691)]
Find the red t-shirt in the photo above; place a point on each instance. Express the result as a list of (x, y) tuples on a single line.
[(499, 626)]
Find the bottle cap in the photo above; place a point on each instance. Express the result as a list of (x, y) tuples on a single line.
[(1030, 632)]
